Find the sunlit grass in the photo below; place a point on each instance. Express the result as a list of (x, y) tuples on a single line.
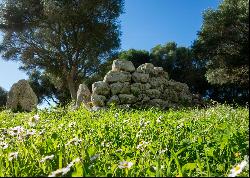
[(116, 142)]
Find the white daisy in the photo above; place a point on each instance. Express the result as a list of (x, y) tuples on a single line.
[(4, 145), (13, 155), (46, 158), (94, 157), (75, 141), (16, 130), (125, 164), (238, 169)]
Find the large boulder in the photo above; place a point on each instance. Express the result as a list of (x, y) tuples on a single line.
[(138, 88), (120, 88), (21, 97), (83, 96), (127, 99), (117, 76), (140, 77), (100, 88), (123, 65), (146, 68), (113, 100), (98, 100)]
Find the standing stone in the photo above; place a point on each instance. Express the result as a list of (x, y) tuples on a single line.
[(21, 97), (83, 96), (123, 65), (100, 88)]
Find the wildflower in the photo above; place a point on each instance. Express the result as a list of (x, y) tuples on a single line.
[(125, 164), (42, 131), (75, 141), (34, 120), (13, 155), (141, 145), (4, 145), (139, 133), (237, 154), (119, 150), (30, 132), (62, 171), (65, 170), (46, 158), (238, 169), (72, 124), (94, 157), (116, 115), (163, 151), (16, 130)]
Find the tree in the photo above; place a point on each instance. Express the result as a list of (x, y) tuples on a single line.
[(223, 43), (181, 66), (137, 57), (67, 39), (3, 96)]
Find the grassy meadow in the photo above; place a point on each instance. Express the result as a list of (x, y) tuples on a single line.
[(124, 142)]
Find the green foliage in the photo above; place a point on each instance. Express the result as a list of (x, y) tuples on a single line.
[(181, 65), (137, 57), (188, 142), (3, 97), (223, 43), (66, 39)]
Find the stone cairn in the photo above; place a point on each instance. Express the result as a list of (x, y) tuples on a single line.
[(146, 86), (21, 97)]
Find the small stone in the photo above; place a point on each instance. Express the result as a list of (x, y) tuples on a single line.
[(83, 96)]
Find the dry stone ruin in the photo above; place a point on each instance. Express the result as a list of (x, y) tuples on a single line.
[(145, 86), (21, 97)]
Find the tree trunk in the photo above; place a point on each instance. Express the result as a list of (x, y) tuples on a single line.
[(72, 87)]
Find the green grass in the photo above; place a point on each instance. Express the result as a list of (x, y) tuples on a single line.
[(187, 142)]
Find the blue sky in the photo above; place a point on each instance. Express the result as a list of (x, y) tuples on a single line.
[(144, 24)]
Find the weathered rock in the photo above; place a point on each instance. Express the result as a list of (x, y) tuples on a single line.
[(100, 88), (158, 83), (120, 88), (83, 96), (123, 65), (127, 99), (117, 76), (153, 93), (113, 100), (21, 97), (159, 72), (140, 77), (146, 68), (170, 95), (138, 88), (158, 103), (98, 100)]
